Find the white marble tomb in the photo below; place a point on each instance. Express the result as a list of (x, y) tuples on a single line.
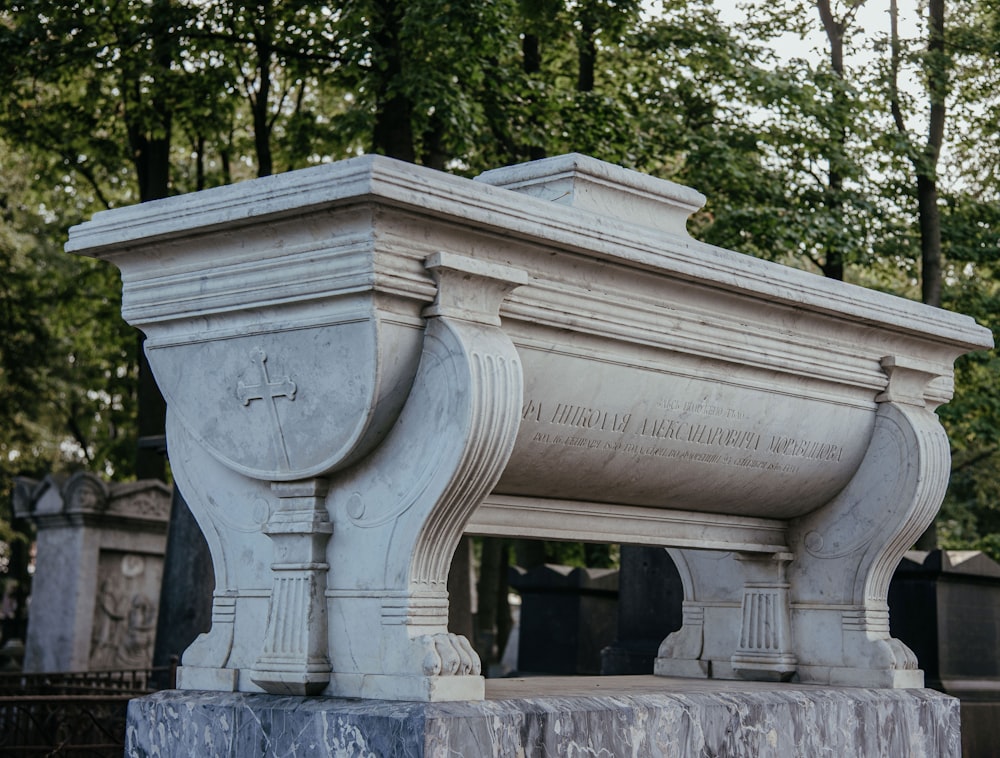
[(364, 360)]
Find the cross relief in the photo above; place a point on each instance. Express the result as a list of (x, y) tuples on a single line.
[(268, 391)]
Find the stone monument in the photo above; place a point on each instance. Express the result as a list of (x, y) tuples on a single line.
[(945, 606), (364, 360), (98, 569), (649, 608), (568, 615)]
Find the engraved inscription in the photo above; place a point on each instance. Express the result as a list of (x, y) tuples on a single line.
[(701, 408), (674, 437), (700, 434), (817, 451)]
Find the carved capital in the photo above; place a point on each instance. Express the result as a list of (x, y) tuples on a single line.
[(469, 289), (909, 380)]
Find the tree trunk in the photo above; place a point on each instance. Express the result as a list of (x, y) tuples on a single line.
[(586, 59), (260, 103), (531, 51), (926, 164), (433, 154), (930, 240), (833, 260), (927, 196), (925, 160), (199, 150), (151, 156), (392, 134)]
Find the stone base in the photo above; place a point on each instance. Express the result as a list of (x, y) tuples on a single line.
[(641, 715)]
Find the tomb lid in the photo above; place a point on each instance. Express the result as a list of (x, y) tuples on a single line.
[(602, 188)]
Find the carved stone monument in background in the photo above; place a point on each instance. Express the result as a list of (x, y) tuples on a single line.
[(364, 360), (98, 569)]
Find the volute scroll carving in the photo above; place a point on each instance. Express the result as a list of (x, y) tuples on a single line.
[(417, 490)]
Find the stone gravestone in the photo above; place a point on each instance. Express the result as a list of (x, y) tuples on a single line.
[(567, 616), (366, 359), (649, 608), (945, 606), (185, 603), (99, 565)]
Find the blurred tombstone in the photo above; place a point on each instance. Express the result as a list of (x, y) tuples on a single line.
[(186, 591), (650, 595), (98, 571), (568, 615), (945, 606)]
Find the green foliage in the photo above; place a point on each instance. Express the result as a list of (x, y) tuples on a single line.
[(801, 160), (67, 360)]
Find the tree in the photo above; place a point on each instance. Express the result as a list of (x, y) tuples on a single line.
[(970, 234), (935, 64), (275, 55), (807, 121), (138, 100)]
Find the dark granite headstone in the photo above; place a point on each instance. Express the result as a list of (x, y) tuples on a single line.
[(188, 583), (945, 605), (460, 584), (568, 615), (650, 595)]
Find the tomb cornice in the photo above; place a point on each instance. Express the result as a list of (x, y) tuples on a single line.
[(377, 181)]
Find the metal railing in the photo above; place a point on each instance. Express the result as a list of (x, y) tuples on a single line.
[(72, 714)]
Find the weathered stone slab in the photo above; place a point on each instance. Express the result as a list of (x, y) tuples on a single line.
[(638, 716), (98, 571)]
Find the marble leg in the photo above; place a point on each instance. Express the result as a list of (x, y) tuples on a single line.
[(846, 552), (399, 514)]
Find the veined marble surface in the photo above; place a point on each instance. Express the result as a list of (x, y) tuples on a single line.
[(584, 716)]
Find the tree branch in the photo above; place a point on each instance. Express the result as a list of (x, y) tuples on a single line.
[(973, 460)]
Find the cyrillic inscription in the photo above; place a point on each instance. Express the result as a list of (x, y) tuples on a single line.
[(621, 431)]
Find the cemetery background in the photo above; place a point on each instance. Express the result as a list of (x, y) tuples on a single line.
[(803, 161)]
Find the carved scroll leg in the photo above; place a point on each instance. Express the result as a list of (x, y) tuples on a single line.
[(846, 552), (400, 513), (294, 660), (207, 663)]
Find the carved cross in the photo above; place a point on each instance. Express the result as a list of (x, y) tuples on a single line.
[(268, 391)]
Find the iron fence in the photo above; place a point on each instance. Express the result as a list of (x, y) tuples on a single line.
[(71, 714)]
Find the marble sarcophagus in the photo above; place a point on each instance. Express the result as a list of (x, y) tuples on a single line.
[(366, 359)]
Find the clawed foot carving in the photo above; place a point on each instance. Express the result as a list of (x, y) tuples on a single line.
[(888, 654), (448, 655)]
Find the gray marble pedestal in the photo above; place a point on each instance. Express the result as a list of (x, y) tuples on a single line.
[(558, 716)]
